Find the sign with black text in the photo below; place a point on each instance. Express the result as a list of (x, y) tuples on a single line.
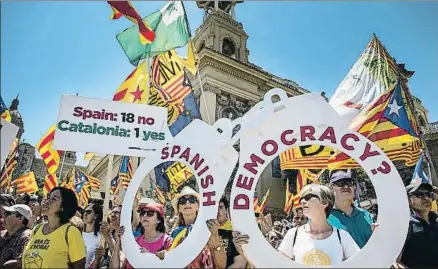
[(108, 127)]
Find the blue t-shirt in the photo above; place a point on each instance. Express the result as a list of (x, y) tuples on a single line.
[(358, 224)]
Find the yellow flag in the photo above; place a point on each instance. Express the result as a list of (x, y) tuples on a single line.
[(135, 87)]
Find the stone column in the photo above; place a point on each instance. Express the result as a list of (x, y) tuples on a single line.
[(207, 103)]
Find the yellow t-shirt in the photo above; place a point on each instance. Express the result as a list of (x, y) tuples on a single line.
[(51, 250), (434, 206)]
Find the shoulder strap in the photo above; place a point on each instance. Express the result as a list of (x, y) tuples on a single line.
[(340, 242), (66, 234), (37, 228), (295, 237)]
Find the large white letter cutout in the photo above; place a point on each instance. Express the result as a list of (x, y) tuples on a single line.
[(305, 120), (198, 141)]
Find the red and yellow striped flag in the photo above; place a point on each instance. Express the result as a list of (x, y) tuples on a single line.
[(134, 88), (125, 8), (10, 165), (390, 124), (261, 205), (158, 193), (50, 156), (26, 183), (50, 182)]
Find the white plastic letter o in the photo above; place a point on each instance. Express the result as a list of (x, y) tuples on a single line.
[(388, 238)]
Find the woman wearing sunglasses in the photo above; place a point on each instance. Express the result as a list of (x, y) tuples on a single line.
[(316, 243), (92, 220), (186, 205), (153, 236)]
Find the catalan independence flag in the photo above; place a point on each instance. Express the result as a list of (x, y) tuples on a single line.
[(390, 124), (125, 8), (158, 193), (262, 203), (26, 183)]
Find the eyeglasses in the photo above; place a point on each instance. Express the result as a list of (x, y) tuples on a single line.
[(309, 196), (148, 213), (89, 211), (342, 183), (8, 213), (423, 194), (272, 238), (183, 200)]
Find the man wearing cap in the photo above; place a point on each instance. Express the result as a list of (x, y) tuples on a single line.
[(421, 246), (14, 239), (358, 222)]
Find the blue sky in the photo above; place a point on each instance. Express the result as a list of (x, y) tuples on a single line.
[(54, 48)]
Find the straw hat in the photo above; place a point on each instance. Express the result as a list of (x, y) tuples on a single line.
[(185, 191)]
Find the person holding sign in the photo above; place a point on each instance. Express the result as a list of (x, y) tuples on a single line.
[(316, 243), (186, 204), (153, 236)]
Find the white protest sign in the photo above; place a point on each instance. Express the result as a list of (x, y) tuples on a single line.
[(8, 133), (306, 120), (108, 127), (212, 158)]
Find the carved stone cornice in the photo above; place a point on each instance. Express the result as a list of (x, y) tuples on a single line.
[(228, 69)]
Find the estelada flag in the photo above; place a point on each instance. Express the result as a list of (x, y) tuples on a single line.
[(50, 156), (390, 124), (26, 183), (134, 88), (125, 8)]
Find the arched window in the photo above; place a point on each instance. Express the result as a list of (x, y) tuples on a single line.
[(228, 48)]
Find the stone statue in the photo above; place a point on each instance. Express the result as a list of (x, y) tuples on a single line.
[(14, 104), (16, 118), (225, 6)]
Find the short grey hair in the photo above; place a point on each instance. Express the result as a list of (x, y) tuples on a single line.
[(324, 193)]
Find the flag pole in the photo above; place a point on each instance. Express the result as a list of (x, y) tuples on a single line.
[(203, 95), (196, 65), (107, 191), (62, 165)]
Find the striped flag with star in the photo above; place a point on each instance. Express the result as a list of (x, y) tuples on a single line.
[(26, 183), (262, 203), (390, 124), (134, 87), (125, 8)]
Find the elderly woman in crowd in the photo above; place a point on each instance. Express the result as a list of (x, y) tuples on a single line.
[(315, 243), (92, 218), (186, 204), (153, 237), (56, 244)]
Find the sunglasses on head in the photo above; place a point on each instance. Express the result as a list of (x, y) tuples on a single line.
[(8, 213), (88, 211), (148, 213), (423, 194), (342, 183), (309, 196), (183, 200)]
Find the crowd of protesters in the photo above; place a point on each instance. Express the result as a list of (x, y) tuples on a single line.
[(327, 229)]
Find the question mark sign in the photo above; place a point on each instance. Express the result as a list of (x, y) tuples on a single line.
[(384, 168)]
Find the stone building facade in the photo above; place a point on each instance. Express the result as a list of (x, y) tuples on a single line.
[(231, 85)]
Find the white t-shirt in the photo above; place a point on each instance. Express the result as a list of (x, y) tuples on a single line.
[(91, 243), (323, 252)]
